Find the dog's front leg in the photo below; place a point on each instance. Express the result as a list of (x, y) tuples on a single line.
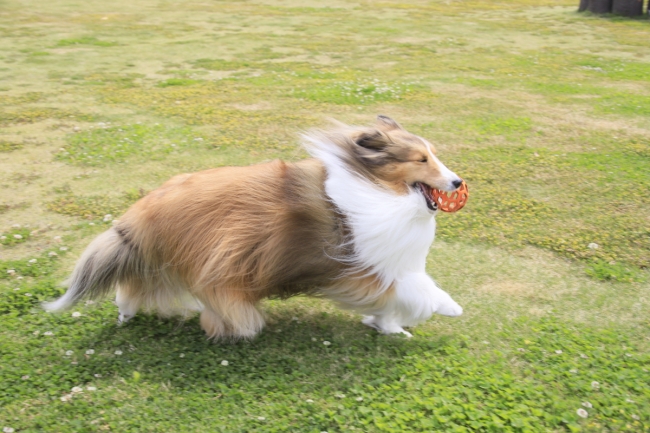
[(415, 298), (386, 324)]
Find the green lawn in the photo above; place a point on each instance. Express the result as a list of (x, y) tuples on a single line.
[(545, 112)]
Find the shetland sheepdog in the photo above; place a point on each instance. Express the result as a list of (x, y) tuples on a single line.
[(353, 224)]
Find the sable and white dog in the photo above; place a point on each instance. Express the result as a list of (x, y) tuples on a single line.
[(354, 225)]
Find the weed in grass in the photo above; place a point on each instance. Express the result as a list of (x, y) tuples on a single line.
[(93, 207), (8, 146), (85, 40), (6, 207), (115, 144), (178, 82), (15, 236), (36, 114), (612, 271), (221, 65), (361, 92)]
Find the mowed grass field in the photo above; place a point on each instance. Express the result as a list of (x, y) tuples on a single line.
[(545, 112)]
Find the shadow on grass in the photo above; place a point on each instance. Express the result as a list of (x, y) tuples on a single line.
[(288, 355)]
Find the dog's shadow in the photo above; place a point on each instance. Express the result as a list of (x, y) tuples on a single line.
[(317, 347)]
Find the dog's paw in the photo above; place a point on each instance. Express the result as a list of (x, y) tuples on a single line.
[(123, 318), (385, 328), (450, 308)]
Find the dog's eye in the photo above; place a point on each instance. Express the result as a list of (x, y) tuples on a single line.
[(424, 159)]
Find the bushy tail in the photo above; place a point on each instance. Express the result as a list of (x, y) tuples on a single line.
[(107, 260)]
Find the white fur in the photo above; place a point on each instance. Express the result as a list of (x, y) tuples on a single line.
[(391, 236)]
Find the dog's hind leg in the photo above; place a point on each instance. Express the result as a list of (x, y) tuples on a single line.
[(128, 301), (230, 314), (213, 324)]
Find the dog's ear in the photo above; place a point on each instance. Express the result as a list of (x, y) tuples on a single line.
[(371, 140), (387, 124)]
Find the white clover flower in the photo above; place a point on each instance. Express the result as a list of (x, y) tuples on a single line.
[(108, 217), (313, 338), (57, 238), (182, 355), (28, 294), (629, 401), (326, 343), (77, 389), (261, 418), (8, 430), (90, 352), (573, 370), (25, 377), (11, 271), (33, 261), (559, 352), (592, 246), (224, 363), (582, 413), (91, 388), (118, 352), (595, 385), (36, 332), (587, 404), (359, 399), (66, 397), (16, 289), (63, 249), (16, 226), (48, 333), (309, 400), (339, 395), (68, 353), (74, 363), (52, 254), (18, 237), (76, 314)]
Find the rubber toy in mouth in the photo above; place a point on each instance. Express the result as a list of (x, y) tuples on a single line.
[(452, 201)]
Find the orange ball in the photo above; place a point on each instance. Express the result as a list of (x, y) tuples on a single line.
[(451, 201)]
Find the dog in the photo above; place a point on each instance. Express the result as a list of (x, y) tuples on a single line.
[(353, 224)]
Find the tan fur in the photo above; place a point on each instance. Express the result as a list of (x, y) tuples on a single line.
[(219, 240)]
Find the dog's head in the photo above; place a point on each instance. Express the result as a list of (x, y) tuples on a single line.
[(390, 156)]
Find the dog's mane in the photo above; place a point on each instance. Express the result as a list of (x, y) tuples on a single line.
[(391, 233)]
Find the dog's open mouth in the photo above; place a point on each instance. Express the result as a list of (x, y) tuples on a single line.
[(426, 192)]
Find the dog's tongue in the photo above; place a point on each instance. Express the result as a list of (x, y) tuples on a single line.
[(451, 201)]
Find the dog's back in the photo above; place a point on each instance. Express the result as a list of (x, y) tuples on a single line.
[(225, 237)]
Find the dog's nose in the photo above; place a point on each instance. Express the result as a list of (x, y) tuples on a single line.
[(457, 183)]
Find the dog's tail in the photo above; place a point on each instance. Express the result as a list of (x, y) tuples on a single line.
[(109, 259)]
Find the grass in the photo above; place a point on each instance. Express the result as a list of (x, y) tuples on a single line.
[(542, 110)]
